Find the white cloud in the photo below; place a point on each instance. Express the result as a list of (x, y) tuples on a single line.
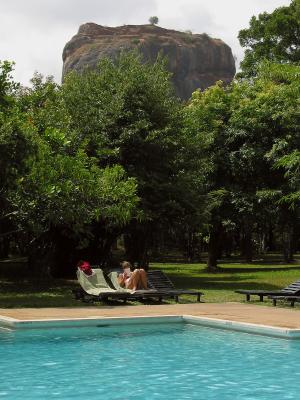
[(219, 18), (34, 32)]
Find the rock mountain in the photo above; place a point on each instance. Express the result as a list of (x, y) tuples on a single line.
[(195, 60)]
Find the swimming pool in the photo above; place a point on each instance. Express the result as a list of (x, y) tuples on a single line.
[(143, 361)]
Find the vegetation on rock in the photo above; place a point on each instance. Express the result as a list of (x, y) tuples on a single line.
[(153, 20)]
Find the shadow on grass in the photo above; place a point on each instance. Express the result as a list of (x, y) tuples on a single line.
[(223, 269), (259, 269), (40, 294), (24, 293), (221, 283), (29, 286)]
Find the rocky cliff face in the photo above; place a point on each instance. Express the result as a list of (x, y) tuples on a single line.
[(196, 61)]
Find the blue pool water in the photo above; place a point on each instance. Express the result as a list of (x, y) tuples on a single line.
[(162, 361)]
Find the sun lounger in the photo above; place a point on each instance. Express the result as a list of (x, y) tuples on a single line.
[(96, 287), (291, 290), (292, 299), (159, 281), (142, 294), (113, 276)]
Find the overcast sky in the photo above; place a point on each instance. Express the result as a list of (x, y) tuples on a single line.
[(34, 32)]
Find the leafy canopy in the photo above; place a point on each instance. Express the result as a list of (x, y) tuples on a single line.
[(59, 185), (153, 20), (125, 113), (274, 37)]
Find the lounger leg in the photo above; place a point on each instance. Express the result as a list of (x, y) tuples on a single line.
[(198, 297), (177, 299), (247, 297), (274, 302), (160, 299), (261, 297), (292, 303)]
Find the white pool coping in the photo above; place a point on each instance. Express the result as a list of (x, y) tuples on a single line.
[(7, 323), (245, 327)]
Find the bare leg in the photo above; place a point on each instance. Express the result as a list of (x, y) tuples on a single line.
[(134, 280), (143, 279)]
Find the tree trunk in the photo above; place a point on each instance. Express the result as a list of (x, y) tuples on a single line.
[(214, 248), (4, 247), (287, 244), (41, 257), (136, 241), (191, 245), (247, 244), (6, 228), (270, 239)]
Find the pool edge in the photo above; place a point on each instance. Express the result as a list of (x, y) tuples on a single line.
[(15, 324), (258, 329), (268, 330)]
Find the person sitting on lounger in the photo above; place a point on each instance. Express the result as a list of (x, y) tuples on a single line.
[(134, 280)]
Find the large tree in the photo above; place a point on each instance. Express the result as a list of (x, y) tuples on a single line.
[(244, 130), (61, 190), (265, 127), (207, 118), (16, 145), (274, 37), (126, 113)]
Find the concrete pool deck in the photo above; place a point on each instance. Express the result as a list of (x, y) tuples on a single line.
[(234, 312)]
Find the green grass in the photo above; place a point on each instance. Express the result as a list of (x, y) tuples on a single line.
[(217, 287), (220, 286), (24, 293)]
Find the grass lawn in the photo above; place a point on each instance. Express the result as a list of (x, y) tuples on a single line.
[(220, 286), (217, 287)]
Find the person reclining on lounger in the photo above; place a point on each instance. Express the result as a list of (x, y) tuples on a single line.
[(134, 280)]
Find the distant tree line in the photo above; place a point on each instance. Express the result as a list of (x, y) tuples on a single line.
[(113, 153)]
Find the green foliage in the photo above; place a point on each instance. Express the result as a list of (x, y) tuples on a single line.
[(274, 37), (7, 85), (188, 36), (206, 118), (126, 114), (48, 180), (243, 130), (291, 163), (64, 186), (112, 151), (70, 191), (153, 20), (135, 41), (16, 143)]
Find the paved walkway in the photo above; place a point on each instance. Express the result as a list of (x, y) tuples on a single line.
[(262, 315)]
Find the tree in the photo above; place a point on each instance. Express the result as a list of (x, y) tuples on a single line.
[(153, 20), (246, 130), (263, 129), (274, 37), (127, 114), (63, 190), (291, 163), (16, 145), (60, 198), (207, 118)]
